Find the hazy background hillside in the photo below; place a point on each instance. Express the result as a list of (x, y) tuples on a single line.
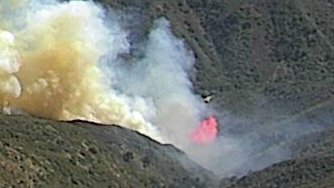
[(269, 66)]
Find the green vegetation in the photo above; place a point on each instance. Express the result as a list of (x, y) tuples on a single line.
[(41, 153), (257, 57)]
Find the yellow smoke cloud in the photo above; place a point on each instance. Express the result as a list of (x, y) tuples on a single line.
[(50, 67)]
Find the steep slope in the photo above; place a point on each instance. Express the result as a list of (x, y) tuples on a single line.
[(305, 172), (277, 50), (312, 166), (266, 60), (38, 153)]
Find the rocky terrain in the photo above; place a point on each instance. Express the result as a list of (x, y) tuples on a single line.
[(267, 61)]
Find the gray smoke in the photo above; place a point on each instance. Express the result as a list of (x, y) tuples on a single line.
[(73, 60)]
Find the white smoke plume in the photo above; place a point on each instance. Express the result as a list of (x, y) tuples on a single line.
[(60, 60), (69, 60)]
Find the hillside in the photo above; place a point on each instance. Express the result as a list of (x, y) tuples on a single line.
[(270, 62), (41, 153)]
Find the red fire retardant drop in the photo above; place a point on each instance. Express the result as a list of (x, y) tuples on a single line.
[(206, 132)]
